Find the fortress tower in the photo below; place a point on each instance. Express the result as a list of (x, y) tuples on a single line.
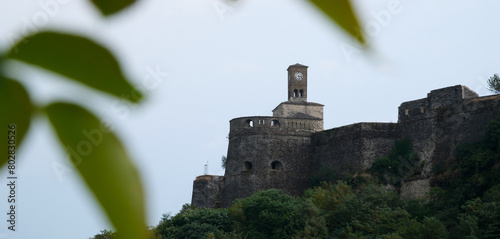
[(273, 151)]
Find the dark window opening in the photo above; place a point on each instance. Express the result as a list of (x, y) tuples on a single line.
[(295, 93), (249, 123), (275, 123), (247, 166), (301, 93), (276, 165)]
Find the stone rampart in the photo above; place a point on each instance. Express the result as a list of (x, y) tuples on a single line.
[(445, 123), (207, 191), (352, 148)]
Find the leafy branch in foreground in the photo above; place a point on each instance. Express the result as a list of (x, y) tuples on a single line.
[(342, 13), (16, 108), (96, 152), (103, 164)]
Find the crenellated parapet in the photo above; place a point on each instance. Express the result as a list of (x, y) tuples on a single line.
[(264, 125), (434, 103)]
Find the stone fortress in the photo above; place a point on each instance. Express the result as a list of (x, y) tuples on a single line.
[(283, 151)]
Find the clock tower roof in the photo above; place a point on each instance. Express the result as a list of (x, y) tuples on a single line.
[(297, 64)]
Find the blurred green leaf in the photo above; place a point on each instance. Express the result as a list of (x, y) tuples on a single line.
[(342, 13), (104, 165), (77, 58), (109, 7), (16, 109)]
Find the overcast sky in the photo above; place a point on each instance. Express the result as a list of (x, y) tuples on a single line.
[(216, 62)]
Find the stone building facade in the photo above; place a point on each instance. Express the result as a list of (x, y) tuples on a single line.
[(283, 151)]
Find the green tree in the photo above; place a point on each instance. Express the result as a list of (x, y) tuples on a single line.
[(479, 219), (492, 135), (223, 161), (429, 228), (494, 84), (194, 223), (105, 234), (370, 210), (273, 214)]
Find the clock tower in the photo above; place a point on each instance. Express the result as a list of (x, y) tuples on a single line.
[(297, 83), (297, 106)]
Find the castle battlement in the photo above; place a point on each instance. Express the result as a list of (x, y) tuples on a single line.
[(265, 125), (435, 101)]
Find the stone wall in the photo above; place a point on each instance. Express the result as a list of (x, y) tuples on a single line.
[(207, 191), (352, 148), (414, 189), (445, 123), (290, 110)]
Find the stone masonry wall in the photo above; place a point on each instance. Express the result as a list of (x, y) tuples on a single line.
[(263, 156), (352, 148), (437, 130), (288, 109), (207, 191)]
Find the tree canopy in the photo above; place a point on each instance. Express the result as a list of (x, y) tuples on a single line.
[(494, 84)]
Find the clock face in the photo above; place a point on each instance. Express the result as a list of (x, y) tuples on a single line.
[(298, 76)]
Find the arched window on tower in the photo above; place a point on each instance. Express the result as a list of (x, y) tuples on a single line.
[(295, 93), (276, 165), (301, 93), (249, 123), (275, 123)]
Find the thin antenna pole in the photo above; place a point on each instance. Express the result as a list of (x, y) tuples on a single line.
[(206, 168)]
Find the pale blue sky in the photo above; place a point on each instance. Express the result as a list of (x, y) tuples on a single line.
[(218, 63)]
